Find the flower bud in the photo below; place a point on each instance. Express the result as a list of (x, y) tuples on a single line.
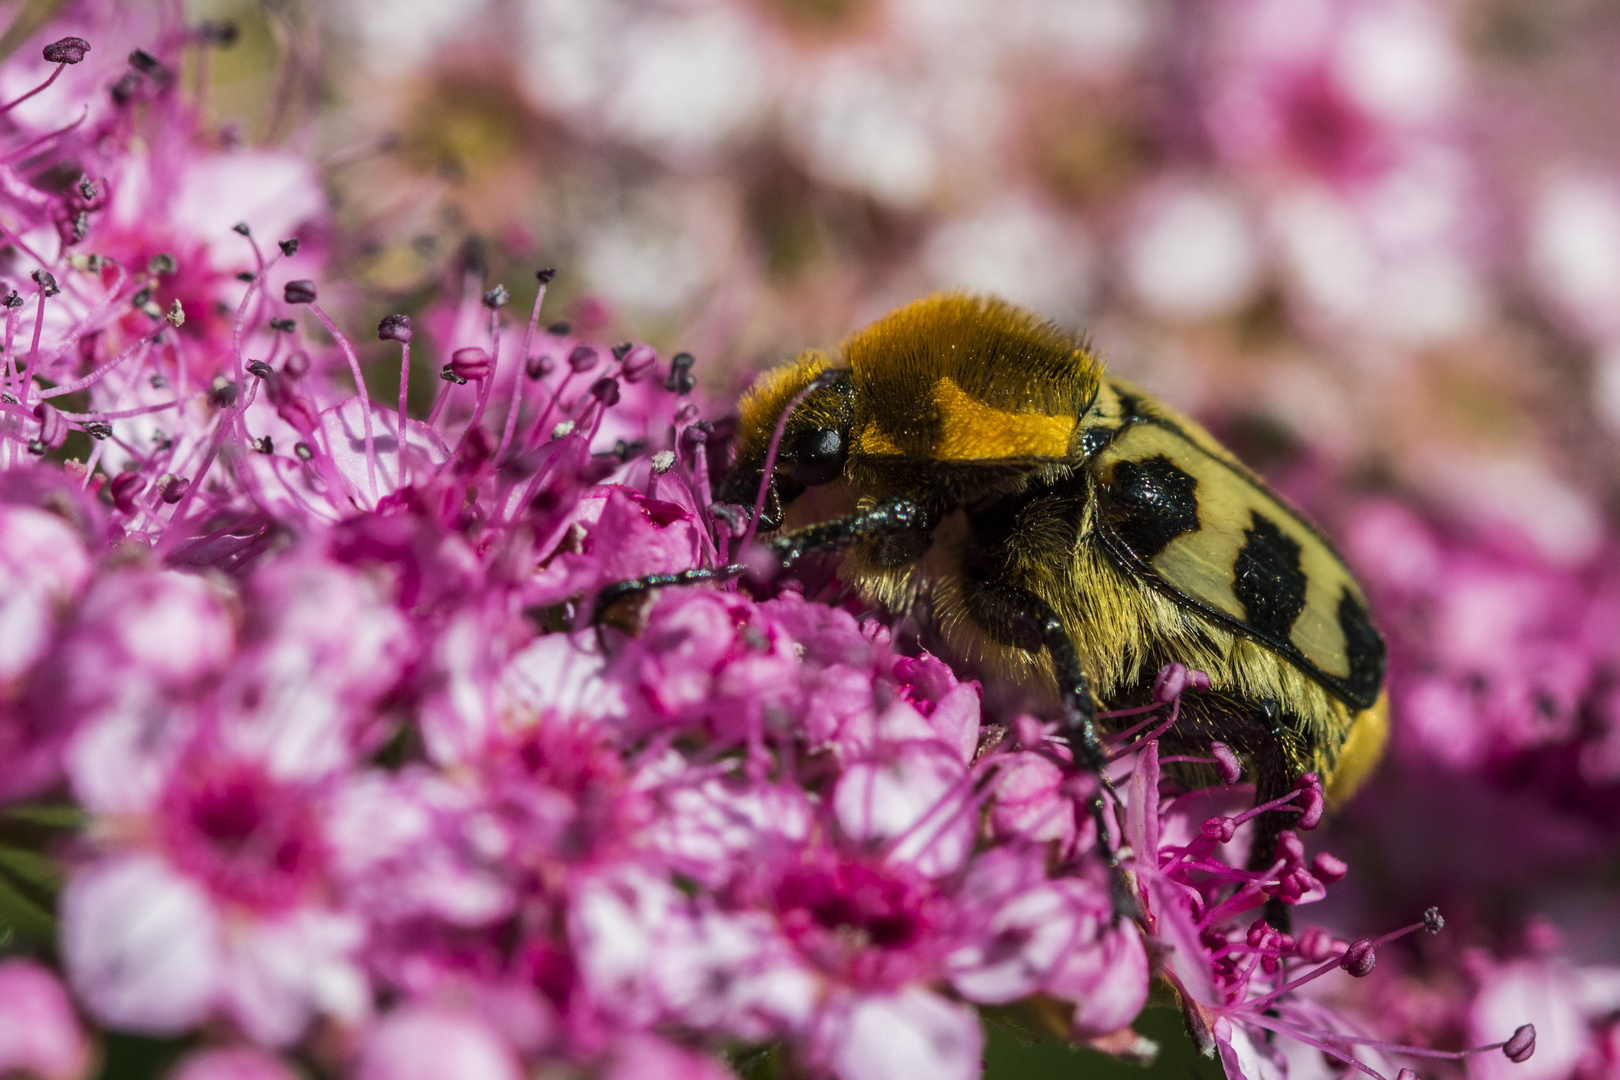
[(53, 428), (469, 363), (124, 488), (583, 358), (1312, 802), (395, 328), (1519, 1048), (1316, 945), (1226, 762), (638, 362), (301, 291), (68, 50), (1359, 959), (1329, 868)]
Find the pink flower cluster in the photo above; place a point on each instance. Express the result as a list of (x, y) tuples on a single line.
[(363, 786)]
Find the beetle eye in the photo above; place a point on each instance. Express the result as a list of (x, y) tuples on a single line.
[(818, 457)]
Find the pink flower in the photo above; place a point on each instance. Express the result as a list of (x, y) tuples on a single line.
[(423, 1044), (39, 1033)]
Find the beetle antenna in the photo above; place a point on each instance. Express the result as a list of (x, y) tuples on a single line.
[(826, 378)]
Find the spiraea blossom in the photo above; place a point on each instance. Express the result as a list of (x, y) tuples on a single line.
[(305, 697)]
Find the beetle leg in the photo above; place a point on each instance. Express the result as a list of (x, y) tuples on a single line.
[(892, 518), (1023, 620), (897, 519)]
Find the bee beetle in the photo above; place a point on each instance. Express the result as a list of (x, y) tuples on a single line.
[(1056, 526)]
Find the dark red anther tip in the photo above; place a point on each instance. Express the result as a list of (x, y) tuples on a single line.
[(1523, 1043), (1360, 958), (68, 50), (301, 291)]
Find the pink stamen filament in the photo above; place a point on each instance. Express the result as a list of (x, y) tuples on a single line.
[(8, 106), (517, 377), (360, 388), (404, 386)]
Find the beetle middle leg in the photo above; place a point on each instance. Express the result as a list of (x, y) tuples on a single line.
[(1015, 616)]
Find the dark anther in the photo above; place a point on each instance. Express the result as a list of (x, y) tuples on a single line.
[(498, 297), (447, 373), (696, 435), (97, 429), (81, 226), (144, 62), (303, 452), (245, 275), (221, 35), (241, 227), (260, 369), (13, 299), (222, 393), (8, 398), (1359, 958), (583, 358), (36, 447), (68, 50), (1519, 1048), (173, 488), (158, 382), (680, 379), (1433, 921), (542, 276), (45, 281), (301, 291), (87, 189), (289, 246), (162, 263), (606, 390), (620, 350), (264, 445), (394, 328), (538, 367), (559, 329), (469, 363), (141, 299), (285, 326), (123, 91)]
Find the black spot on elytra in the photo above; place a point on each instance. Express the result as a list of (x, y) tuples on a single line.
[(1365, 650), (1267, 579), (1150, 503)]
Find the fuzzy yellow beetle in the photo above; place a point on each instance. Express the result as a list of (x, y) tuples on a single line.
[(1060, 528)]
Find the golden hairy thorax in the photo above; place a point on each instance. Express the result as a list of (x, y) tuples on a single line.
[(1146, 537)]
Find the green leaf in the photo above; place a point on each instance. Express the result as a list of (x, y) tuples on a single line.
[(24, 915), (31, 867), (50, 815)]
